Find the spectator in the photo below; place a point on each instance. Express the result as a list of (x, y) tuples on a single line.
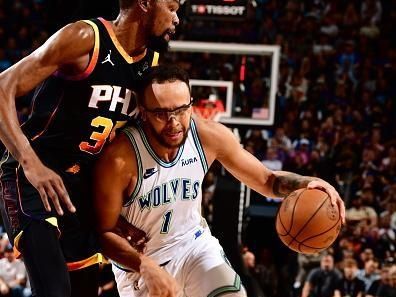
[(383, 281), (350, 285), (361, 215), (369, 274), (388, 290), (266, 272), (12, 274), (281, 142), (371, 11), (249, 260), (272, 161), (322, 281), (305, 264)]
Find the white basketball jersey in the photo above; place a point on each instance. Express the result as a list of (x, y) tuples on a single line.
[(166, 202)]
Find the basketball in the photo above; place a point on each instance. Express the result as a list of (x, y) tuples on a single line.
[(307, 222)]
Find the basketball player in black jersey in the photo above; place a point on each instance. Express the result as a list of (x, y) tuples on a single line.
[(85, 73)]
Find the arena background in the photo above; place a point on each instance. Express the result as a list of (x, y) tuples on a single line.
[(335, 118)]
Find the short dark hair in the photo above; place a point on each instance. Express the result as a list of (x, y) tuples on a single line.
[(161, 74)]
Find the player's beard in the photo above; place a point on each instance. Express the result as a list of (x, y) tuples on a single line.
[(155, 42), (158, 43), (162, 139)]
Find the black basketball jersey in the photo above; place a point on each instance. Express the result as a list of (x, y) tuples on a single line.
[(73, 117)]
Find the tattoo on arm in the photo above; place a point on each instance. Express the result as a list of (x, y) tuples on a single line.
[(285, 184)]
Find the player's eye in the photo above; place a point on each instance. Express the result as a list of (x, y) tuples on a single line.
[(180, 111), (161, 115), (173, 7)]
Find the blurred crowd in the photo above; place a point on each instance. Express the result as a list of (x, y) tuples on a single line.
[(335, 118), (13, 276)]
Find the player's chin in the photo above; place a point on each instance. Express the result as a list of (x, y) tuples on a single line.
[(174, 141), (160, 43)]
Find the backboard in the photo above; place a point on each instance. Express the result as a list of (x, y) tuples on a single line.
[(243, 76)]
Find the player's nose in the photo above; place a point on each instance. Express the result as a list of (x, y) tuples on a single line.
[(176, 20)]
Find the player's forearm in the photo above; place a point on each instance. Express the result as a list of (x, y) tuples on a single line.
[(119, 250), (10, 132), (282, 183)]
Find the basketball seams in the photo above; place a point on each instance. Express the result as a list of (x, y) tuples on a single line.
[(310, 219), (332, 227), (292, 216), (312, 222)]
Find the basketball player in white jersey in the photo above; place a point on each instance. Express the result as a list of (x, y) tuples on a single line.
[(152, 174)]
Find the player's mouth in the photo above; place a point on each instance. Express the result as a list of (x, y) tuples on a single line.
[(174, 135), (169, 34)]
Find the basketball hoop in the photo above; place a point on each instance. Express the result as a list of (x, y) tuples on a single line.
[(207, 113), (209, 108)]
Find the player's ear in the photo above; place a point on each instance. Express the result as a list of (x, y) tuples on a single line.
[(145, 4)]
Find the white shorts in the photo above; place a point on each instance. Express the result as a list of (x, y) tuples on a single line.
[(201, 269)]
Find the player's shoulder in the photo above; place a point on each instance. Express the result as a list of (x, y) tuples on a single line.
[(119, 152), (68, 44), (81, 30), (212, 133), (206, 127)]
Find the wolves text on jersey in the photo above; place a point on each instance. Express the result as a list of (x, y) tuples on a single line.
[(183, 189)]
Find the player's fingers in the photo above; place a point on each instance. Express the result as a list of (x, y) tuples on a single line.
[(44, 198), (64, 196), (55, 200), (342, 210), (329, 189), (317, 185), (313, 184), (334, 197)]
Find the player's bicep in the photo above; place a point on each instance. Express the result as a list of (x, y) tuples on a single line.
[(107, 195), (64, 47), (247, 168), (111, 179), (224, 146)]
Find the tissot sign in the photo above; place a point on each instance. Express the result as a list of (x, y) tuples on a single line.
[(221, 9)]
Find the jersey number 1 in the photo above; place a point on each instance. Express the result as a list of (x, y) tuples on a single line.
[(166, 222)]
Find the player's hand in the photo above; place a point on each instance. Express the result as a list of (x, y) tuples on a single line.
[(49, 185), (334, 196), (158, 281), (136, 237)]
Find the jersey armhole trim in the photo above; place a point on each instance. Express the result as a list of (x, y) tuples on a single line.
[(225, 290), (93, 60), (136, 190), (154, 154), (198, 145), (155, 59)]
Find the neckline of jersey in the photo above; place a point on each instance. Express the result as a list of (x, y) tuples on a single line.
[(118, 45), (156, 157)]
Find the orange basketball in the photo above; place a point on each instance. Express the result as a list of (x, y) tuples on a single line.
[(307, 222)]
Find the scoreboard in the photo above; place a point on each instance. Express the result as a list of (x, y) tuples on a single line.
[(232, 10)]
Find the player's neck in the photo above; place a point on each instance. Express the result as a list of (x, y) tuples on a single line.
[(164, 153), (130, 33)]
